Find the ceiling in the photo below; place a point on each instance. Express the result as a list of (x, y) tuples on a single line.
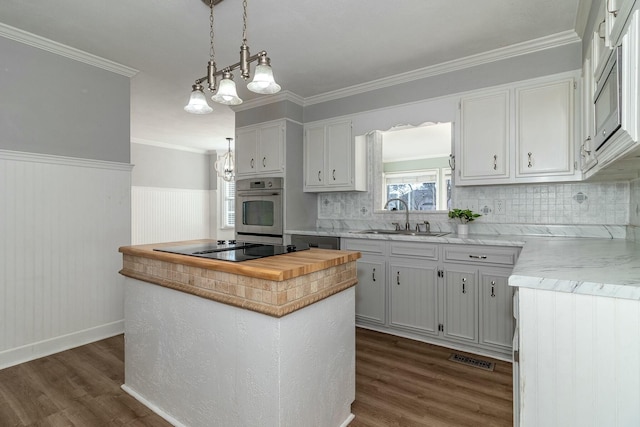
[(315, 46)]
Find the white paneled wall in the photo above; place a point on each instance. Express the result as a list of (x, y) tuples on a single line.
[(61, 223), (169, 214), (579, 360)]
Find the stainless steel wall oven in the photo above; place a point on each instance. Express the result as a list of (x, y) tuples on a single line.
[(259, 210)]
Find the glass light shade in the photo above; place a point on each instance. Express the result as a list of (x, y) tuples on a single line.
[(226, 93), (225, 166), (198, 103), (263, 81)]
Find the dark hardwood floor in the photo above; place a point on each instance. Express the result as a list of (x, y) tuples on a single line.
[(399, 382)]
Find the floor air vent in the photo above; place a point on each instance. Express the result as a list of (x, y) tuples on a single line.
[(470, 361)]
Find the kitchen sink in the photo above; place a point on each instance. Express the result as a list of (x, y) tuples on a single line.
[(401, 232)]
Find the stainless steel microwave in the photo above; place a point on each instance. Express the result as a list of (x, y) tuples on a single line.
[(608, 100)]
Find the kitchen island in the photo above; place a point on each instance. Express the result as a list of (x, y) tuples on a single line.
[(267, 342)]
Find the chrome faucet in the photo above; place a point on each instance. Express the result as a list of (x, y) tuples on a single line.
[(427, 227), (406, 211)]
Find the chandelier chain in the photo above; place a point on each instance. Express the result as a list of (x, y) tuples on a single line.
[(244, 21), (212, 51)]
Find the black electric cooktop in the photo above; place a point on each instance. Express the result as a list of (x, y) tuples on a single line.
[(232, 250)]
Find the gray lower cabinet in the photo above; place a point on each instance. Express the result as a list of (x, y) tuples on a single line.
[(460, 303), (496, 308), (370, 290), (413, 296), (442, 293)]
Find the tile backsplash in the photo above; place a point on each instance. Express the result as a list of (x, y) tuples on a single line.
[(613, 204), (579, 203), (634, 203)]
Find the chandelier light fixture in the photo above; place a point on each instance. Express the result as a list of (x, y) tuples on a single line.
[(225, 166), (225, 93)]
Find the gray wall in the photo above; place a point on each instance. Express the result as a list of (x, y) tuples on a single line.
[(50, 104), (168, 168), (523, 67), (536, 64), (274, 111)]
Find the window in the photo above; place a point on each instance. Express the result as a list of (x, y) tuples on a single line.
[(228, 205), (423, 190)]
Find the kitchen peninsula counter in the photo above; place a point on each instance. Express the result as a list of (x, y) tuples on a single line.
[(267, 342)]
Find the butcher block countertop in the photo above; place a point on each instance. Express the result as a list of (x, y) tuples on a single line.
[(276, 285)]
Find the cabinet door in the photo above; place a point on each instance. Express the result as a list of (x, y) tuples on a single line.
[(460, 304), (271, 149), (544, 129), (496, 309), (484, 136), (370, 290), (246, 152), (587, 150), (338, 147), (314, 157), (414, 297)]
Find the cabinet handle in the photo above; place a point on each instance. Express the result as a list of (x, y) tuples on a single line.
[(452, 162), (584, 146), (319, 179), (464, 282), (334, 174), (600, 29), (493, 289), (613, 12), (478, 256), (495, 162), (373, 275), (529, 159), (398, 278), (252, 163), (264, 162)]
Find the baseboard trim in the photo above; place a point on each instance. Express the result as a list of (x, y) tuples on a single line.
[(26, 353), (346, 422), (168, 418)]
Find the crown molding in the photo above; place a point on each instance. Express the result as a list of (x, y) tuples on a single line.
[(39, 42), (53, 159), (169, 146), (285, 95), (547, 42)]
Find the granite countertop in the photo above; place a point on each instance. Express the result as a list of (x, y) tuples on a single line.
[(590, 266)]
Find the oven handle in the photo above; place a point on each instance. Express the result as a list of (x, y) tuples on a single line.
[(241, 194)]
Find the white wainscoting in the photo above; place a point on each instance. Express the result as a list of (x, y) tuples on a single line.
[(61, 223), (169, 214), (579, 360)]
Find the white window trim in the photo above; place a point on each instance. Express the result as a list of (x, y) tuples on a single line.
[(222, 210)]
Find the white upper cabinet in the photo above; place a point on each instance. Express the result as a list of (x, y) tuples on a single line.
[(520, 133), (260, 150), (617, 158), (333, 159), (587, 150), (485, 137), (544, 129)]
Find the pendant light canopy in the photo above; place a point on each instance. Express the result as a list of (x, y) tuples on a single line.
[(263, 81)]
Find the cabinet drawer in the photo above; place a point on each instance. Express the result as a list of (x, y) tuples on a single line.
[(481, 254), (364, 245), (414, 250)]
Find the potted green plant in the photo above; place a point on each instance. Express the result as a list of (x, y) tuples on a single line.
[(465, 216)]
